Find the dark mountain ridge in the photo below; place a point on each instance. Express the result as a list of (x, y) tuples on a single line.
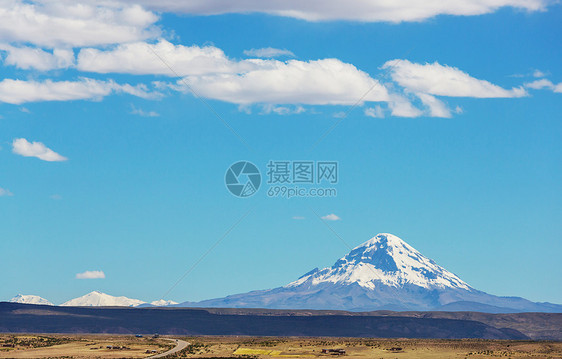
[(20, 318)]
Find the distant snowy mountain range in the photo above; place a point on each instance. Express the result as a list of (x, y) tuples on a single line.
[(384, 273), (93, 299)]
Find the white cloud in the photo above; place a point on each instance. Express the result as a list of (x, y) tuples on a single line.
[(331, 217), (141, 58), (5, 193), (268, 52), (140, 90), (24, 148), (34, 58), (540, 84), (375, 112), (436, 107), (272, 83), (95, 274), (364, 10), (443, 80), (538, 73), (20, 91), (68, 23), (544, 84), (320, 82), (298, 218), (141, 112), (281, 110), (56, 197), (401, 107), (213, 75)]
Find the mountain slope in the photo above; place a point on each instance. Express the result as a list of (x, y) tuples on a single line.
[(30, 299), (382, 273), (385, 259), (99, 299)]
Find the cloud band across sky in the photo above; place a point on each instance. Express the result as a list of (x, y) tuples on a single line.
[(328, 10), (102, 38), (22, 91)]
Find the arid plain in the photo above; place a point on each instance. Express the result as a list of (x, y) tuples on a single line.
[(128, 346)]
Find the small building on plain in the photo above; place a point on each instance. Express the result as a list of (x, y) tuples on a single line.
[(333, 351)]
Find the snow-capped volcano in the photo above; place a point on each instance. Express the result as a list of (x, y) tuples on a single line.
[(30, 299), (99, 299), (384, 259), (383, 273)]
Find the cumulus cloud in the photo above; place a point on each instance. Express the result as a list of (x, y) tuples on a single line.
[(331, 217), (426, 81), (24, 148), (319, 82), (95, 274), (142, 58), (281, 110), (400, 106), (436, 107), (544, 84), (68, 23), (213, 75), (443, 80), (540, 84), (21, 91), (34, 58), (375, 112), (279, 87), (5, 193), (365, 10), (268, 52), (143, 113)]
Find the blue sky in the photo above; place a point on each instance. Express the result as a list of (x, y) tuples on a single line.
[(110, 164)]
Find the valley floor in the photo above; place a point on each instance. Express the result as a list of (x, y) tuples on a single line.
[(79, 346), (96, 346)]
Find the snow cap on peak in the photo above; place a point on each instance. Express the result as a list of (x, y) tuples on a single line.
[(384, 260), (30, 299), (99, 299), (386, 238), (163, 303), (384, 251)]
